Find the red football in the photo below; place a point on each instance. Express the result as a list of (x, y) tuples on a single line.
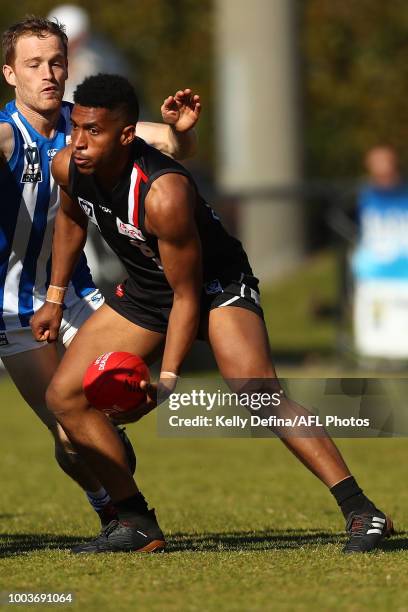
[(111, 382)]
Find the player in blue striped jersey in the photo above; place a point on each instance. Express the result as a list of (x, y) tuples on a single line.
[(33, 127)]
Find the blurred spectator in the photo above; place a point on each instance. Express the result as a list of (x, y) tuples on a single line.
[(88, 53), (380, 259), (383, 218)]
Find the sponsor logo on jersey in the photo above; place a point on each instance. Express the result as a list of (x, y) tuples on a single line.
[(213, 286), (51, 153), (88, 209), (32, 169), (137, 240), (105, 209), (129, 230), (3, 339)]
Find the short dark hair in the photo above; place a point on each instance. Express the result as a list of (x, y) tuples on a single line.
[(35, 26), (110, 91)]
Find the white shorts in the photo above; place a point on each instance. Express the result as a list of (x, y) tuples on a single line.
[(21, 339)]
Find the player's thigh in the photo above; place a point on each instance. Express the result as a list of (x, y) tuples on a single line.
[(77, 313), (31, 372), (239, 340), (105, 331)]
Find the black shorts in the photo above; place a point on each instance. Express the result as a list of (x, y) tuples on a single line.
[(242, 293)]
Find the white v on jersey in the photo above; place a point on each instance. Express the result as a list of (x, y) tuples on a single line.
[(29, 202)]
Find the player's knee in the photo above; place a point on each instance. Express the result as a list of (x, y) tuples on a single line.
[(261, 382), (62, 401), (54, 398), (249, 369)]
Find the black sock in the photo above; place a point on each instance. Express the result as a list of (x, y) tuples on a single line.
[(350, 497), (127, 508)]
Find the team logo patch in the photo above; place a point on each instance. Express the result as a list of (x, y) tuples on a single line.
[(51, 153), (97, 297), (129, 230), (3, 339), (32, 169), (120, 290), (88, 209), (213, 287)]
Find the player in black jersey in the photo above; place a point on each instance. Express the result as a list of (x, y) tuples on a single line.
[(187, 276)]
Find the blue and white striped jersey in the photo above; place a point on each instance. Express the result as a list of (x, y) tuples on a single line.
[(29, 200)]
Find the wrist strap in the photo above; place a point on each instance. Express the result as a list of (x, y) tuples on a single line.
[(55, 294), (166, 374)]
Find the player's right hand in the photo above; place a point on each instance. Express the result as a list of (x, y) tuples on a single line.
[(156, 393), (182, 110), (45, 323), (132, 416)]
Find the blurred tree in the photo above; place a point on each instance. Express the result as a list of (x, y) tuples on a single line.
[(356, 81), (169, 44)]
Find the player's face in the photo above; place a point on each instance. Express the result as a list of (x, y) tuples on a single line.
[(39, 72), (98, 139)]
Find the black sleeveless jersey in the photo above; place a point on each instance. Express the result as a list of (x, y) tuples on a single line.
[(119, 216)]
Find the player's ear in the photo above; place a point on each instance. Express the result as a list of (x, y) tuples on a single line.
[(9, 75), (128, 135)]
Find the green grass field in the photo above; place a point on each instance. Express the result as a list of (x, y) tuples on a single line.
[(288, 306), (248, 528)]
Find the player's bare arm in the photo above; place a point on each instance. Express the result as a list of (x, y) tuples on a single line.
[(69, 240), (170, 207), (6, 142), (176, 137)]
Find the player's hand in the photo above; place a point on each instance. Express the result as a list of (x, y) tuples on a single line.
[(45, 323), (132, 416), (155, 393), (181, 110)]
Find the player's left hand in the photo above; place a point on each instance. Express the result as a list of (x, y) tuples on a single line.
[(181, 110), (45, 323)]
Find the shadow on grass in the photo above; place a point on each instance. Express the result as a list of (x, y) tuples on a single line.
[(8, 515), (396, 543), (12, 544), (269, 540), (248, 540), (287, 539)]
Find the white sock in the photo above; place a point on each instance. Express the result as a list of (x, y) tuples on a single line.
[(98, 499)]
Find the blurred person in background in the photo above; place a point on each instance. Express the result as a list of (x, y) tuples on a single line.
[(89, 54), (33, 128), (382, 211), (380, 259)]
